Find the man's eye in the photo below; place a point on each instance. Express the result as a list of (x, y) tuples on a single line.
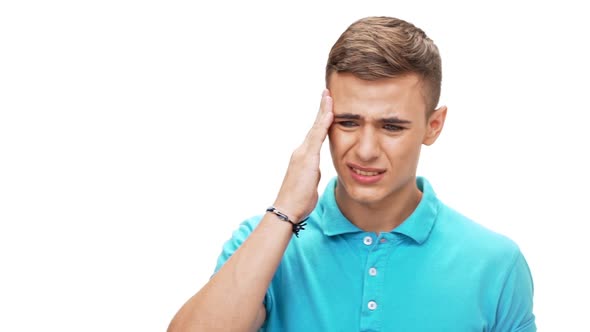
[(390, 127), (347, 123)]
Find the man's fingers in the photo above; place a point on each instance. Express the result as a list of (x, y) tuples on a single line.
[(317, 133), (322, 105)]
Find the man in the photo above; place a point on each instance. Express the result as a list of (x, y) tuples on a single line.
[(378, 251)]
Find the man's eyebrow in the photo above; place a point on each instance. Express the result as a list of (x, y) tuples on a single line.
[(395, 120), (348, 116), (391, 120)]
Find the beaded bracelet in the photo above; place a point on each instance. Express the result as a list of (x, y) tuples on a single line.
[(296, 226)]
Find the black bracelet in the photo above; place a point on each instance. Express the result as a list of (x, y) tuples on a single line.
[(296, 226)]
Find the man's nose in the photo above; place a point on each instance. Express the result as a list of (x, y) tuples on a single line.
[(368, 145)]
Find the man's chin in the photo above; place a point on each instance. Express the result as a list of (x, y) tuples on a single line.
[(363, 196), (365, 199)]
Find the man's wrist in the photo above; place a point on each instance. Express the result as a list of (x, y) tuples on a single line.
[(297, 226), (290, 211)]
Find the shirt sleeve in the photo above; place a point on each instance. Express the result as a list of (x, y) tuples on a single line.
[(515, 308), (238, 237)]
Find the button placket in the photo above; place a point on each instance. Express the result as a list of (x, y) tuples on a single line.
[(371, 318)]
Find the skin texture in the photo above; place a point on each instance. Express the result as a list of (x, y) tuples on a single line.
[(379, 126)]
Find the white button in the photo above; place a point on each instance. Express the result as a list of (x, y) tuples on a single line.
[(372, 305), (368, 240), (373, 271)]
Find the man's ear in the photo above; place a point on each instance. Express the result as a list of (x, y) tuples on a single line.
[(434, 125)]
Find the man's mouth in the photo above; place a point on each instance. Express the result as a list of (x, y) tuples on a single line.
[(364, 173)]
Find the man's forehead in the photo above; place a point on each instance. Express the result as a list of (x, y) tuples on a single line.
[(397, 89), (368, 109)]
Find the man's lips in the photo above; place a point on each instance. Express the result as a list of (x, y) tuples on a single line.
[(365, 171)]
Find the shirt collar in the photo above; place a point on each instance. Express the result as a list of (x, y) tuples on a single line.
[(417, 226)]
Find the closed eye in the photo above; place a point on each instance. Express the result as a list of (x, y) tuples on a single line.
[(347, 124), (391, 127)]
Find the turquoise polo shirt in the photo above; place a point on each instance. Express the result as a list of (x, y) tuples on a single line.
[(437, 271)]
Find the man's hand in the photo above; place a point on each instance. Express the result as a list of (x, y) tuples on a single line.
[(298, 195)]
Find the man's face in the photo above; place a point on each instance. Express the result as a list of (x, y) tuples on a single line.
[(378, 130)]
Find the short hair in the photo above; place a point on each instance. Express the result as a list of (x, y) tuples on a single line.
[(378, 47)]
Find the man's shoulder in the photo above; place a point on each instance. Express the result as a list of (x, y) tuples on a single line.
[(472, 235)]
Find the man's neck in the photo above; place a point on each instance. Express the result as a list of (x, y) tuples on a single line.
[(382, 216)]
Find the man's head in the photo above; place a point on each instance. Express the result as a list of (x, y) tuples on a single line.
[(374, 48), (384, 76)]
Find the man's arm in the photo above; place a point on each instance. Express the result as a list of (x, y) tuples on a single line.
[(232, 299)]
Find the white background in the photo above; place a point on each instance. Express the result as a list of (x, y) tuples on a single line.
[(136, 135)]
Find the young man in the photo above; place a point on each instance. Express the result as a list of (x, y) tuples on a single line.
[(379, 251)]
